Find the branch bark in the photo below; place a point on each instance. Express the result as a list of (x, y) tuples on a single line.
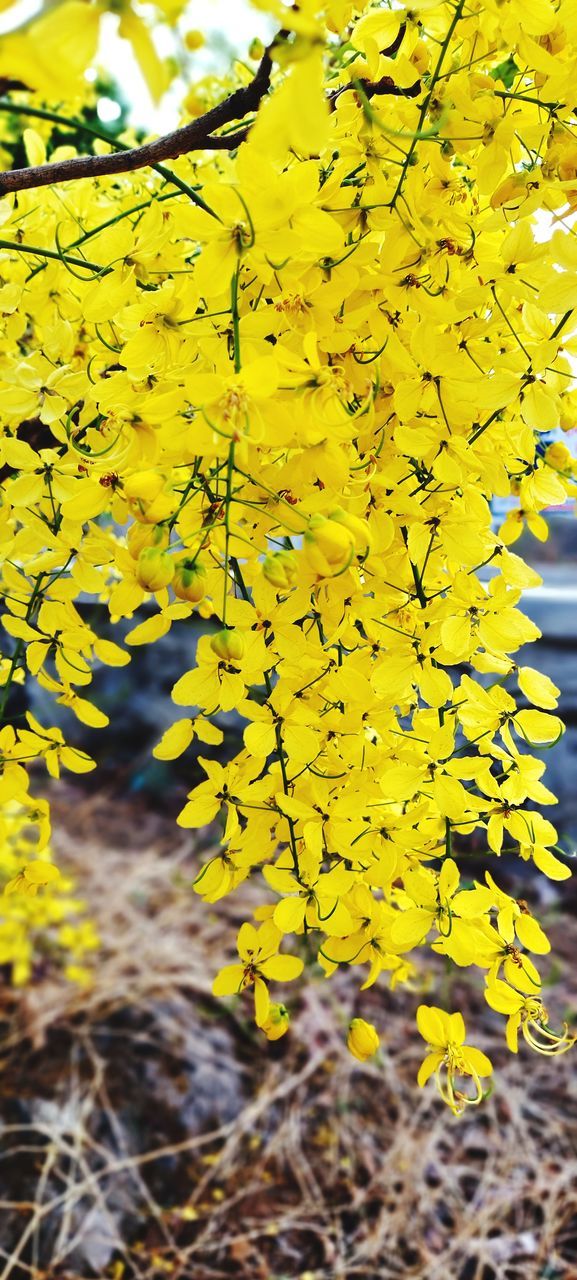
[(196, 136)]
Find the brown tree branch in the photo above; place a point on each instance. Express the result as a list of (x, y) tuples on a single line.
[(377, 88), (196, 136), (397, 42), (386, 85), (199, 135)]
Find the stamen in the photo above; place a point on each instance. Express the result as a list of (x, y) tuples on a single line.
[(456, 1100)]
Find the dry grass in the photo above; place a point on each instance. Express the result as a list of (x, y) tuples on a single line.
[(147, 1132)]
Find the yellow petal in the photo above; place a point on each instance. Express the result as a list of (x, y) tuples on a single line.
[(154, 70), (175, 740), (456, 1028), (199, 811), (431, 1023), (538, 688), (228, 982), (150, 630), (110, 653), (428, 1067), (411, 927), (283, 968), (478, 1061), (539, 728), (549, 864), (41, 872), (512, 1032), (261, 1002), (259, 739), (289, 914), (531, 935), (502, 998), (34, 146)]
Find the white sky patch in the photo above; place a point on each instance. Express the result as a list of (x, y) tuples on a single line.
[(17, 14), (228, 27)]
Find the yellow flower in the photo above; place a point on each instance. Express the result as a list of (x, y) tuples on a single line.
[(528, 1014), (362, 1040), (259, 962), (32, 877), (311, 899), (449, 1058), (432, 897), (154, 569)]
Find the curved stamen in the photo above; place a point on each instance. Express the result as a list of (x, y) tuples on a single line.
[(455, 1099), (541, 1038)]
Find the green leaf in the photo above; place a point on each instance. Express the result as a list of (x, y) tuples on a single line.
[(506, 72)]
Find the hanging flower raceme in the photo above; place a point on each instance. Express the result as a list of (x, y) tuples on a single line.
[(263, 383)]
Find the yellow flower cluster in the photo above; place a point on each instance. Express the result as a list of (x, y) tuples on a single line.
[(52, 52), (41, 922), (278, 387)]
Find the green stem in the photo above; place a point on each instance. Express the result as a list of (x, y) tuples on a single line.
[(235, 319), (427, 102), (228, 503), (562, 323), (277, 731), (58, 257), (525, 97)]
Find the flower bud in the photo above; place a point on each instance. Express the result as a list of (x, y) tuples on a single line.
[(256, 49), (280, 568), (194, 104), (154, 569), (194, 40), (143, 485), (568, 413), (145, 535), (148, 499), (362, 1040), (189, 582), (277, 1023), (359, 528), (557, 455), (162, 508), (228, 644), (329, 547)]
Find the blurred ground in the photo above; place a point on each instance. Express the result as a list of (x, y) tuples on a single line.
[(148, 1131)]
